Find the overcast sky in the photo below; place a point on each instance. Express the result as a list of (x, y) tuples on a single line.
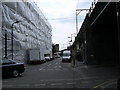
[(61, 15)]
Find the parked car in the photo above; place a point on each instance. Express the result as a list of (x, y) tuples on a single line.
[(66, 56), (11, 68), (56, 55), (47, 58)]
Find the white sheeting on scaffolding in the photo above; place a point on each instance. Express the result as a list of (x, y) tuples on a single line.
[(0, 31), (32, 32), (0, 45)]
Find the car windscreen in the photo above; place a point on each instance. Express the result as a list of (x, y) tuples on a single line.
[(6, 61), (66, 54)]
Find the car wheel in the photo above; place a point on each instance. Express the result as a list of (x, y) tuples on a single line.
[(16, 73)]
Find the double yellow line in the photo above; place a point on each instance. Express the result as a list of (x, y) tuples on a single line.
[(100, 85)]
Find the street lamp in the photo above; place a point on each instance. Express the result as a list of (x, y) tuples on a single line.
[(70, 38), (12, 37)]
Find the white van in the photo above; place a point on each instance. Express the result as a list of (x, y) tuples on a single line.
[(66, 56)]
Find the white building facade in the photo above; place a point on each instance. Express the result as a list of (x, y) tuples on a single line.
[(32, 31)]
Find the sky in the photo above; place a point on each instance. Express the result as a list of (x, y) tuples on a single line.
[(61, 14)]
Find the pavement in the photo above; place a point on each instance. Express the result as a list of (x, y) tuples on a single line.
[(107, 74)]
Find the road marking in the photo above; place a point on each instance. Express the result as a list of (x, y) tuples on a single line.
[(56, 63), (42, 84), (110, 84), (7, 86), (40, 69), (56, 84), (25, 85), (57, 69), (65, 69), (55, 66), (85, 82), (102, 84), (48, 64), (71, 79), (43, 68), (59, 66), (71, 83), (50, 69)]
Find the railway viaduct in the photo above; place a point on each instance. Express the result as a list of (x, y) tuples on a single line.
[(98, 39)]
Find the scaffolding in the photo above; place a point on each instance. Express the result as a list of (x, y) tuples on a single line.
[(30, 28)]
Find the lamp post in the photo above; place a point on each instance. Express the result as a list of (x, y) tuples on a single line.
[(78, 11), (5, 41), (12, 37), (5, 44)]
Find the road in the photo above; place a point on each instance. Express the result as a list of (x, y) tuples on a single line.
[(55, 74), (48, 75)]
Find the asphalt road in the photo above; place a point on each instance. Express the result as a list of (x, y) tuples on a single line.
[(51, 74), (55, 74)]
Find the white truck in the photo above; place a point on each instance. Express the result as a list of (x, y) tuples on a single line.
[(36, 55)]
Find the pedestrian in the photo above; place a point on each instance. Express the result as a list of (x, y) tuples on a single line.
[(73, 56)]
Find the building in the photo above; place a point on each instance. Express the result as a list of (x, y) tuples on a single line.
[(98, 38), (31, 30), (55, 48)]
